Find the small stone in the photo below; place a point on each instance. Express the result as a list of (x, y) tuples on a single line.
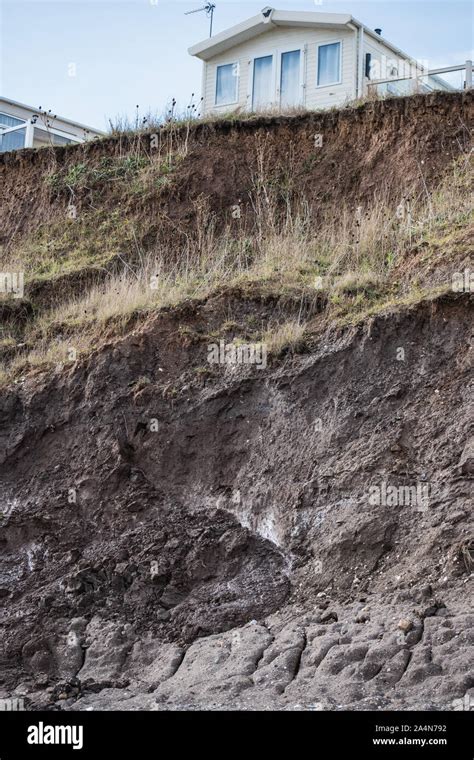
[(363, 616), (405, 625), (466, 462), (171, 596)]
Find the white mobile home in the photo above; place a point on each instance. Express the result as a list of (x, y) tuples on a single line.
[(24, 127), (285, 59)]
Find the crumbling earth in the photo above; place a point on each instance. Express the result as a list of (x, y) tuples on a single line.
[(175, 538)]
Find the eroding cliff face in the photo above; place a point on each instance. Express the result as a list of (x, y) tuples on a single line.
[(179, 534), (290, 537)]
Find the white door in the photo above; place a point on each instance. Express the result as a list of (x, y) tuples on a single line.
[(263, 86), (290, 79)]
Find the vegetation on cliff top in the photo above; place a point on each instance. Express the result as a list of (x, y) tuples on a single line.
[(355, 262)]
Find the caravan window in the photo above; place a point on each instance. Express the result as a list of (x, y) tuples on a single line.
[(9, 121), (226, 84), (329, 64)]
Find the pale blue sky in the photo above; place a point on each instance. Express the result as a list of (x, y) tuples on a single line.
[(129, 52)]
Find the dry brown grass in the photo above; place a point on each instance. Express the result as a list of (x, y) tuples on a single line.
[(354, 282), (351, 256), (287, 336)]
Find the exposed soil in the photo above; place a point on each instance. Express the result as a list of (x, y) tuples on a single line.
[(232, 557)]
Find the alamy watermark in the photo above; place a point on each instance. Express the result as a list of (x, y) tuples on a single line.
[(463, 703), (235, 353), (12, 704), (46, 734), (386, 495), (385, 68), (463, 282), (12, 282), (5, 511)]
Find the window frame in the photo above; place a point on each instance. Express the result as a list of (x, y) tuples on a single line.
[(10, 116), (237, 85), (13, 130), (325, 44)]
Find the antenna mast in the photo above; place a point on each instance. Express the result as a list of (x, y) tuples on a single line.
[(209, 8)]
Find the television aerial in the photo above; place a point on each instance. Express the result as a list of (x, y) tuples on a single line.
[(209, 8)]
